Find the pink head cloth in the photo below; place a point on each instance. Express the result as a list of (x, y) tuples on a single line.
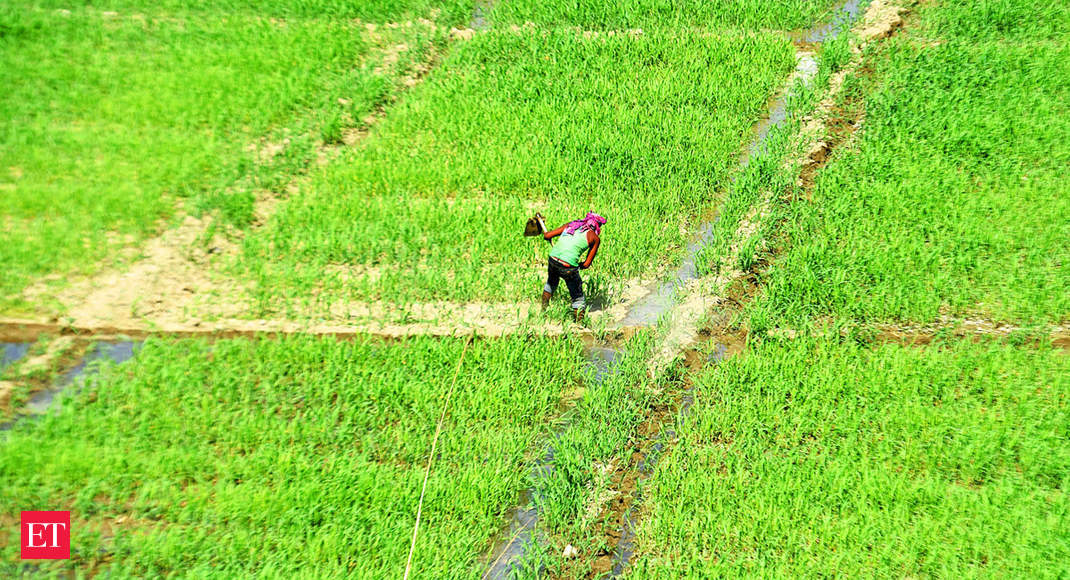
[(591, 221)]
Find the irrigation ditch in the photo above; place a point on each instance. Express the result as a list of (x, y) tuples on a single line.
[(655, 435)]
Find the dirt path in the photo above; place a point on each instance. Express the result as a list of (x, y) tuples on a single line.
[(177, 283), (180, 272)]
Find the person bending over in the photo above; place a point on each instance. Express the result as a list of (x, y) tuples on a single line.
[(566, 258)]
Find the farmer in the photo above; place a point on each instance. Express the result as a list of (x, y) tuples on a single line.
[(577, 237)]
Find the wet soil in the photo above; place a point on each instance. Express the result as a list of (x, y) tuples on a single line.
[(72, 366), (36, 374), (510, 546), (10, 352)]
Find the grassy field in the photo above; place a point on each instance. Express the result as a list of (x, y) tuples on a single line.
[(110, 120), (590, 14), (818, 458), (831, 454), (952, 200), (450, 12), (834, 455), (641, 129), (283, 457)]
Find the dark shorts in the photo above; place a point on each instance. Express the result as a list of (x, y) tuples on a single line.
[(556, 272)]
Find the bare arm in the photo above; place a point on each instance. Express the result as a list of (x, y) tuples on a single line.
[(593, 241), (554, 233)]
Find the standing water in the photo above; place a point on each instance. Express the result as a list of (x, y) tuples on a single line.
[(43, 401), (510, 547), (659, 301), (648, 310), (10, 352)]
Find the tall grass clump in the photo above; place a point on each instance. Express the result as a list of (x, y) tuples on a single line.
[(299, 456)]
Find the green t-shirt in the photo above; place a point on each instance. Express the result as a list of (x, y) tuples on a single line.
[(570, 247)]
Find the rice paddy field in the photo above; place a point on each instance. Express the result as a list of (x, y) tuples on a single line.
[(113, 120), (836, 414), (587, 14), (303, 453), (643, 128), (835, 454), (953, 201), (822, 457)]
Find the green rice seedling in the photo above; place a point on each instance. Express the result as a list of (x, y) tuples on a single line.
[(836, 52), (450, 12), (952, 201), (570, 488), (1016, 20), (591, 14), (823, 457), (109, 120), (642, 129), (612, 406), (299, 456), (763, 174)]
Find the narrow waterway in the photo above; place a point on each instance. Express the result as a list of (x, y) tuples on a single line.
[(11, 352), (510, 547), (73, 380)]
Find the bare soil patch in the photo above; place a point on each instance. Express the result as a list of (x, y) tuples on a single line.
[(179, 273)]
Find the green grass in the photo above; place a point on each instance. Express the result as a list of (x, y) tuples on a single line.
[(450, 12), (819, 458), (832, 456), (1014, 20), (598, 433), (297, 456), (592, 14), (643, 130), (107, 121), (952, 201)]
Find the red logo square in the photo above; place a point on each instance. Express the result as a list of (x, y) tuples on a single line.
[(46, 535)]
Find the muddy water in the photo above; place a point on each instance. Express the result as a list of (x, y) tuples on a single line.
[(514, 541), (73, 380), (626, 544), (511, 545), (648, 310), (10, 352), (841, 20), (479, 15)]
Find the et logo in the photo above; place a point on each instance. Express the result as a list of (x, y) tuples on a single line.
[(46, 535)]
